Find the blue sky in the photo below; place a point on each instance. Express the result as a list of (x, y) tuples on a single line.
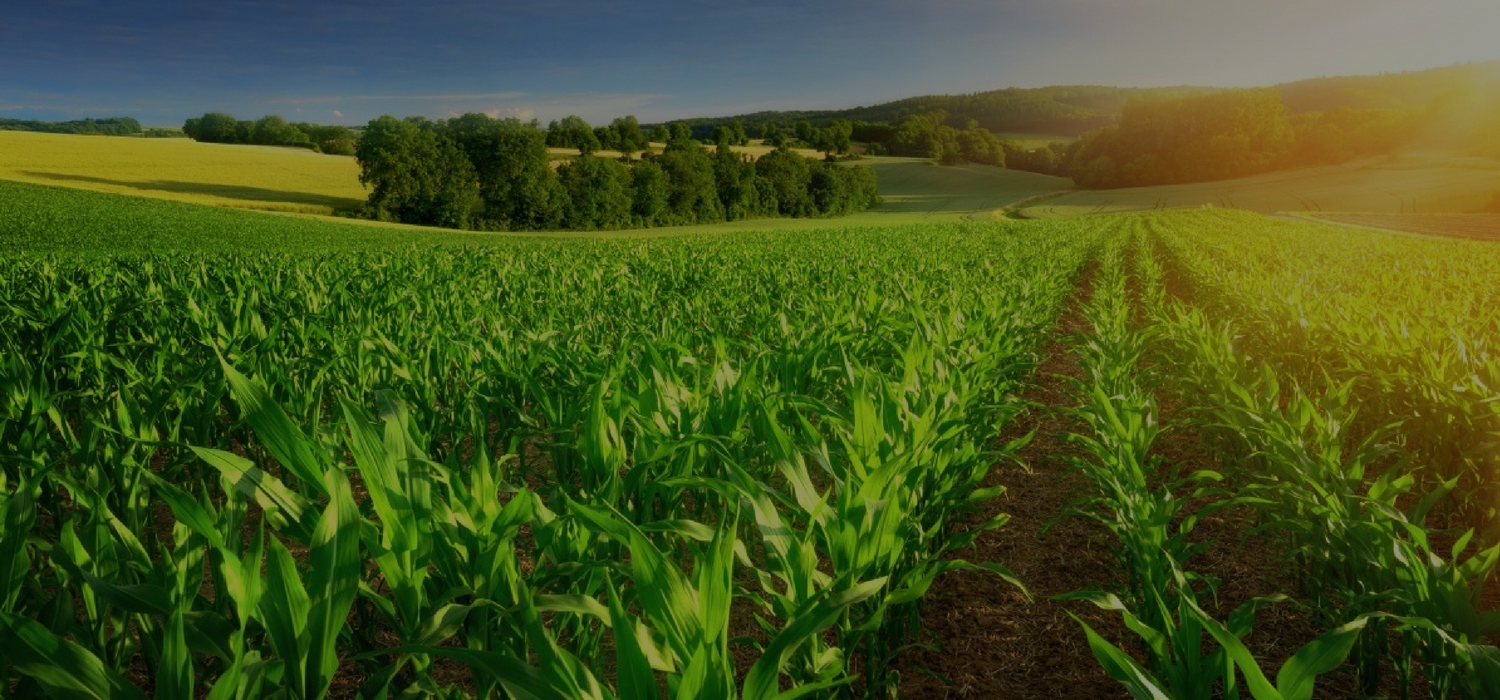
[(348, 62)]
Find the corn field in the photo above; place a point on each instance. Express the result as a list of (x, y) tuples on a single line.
[(730, 466)]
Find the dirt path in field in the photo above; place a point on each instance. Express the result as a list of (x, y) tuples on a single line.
[(990, 642)]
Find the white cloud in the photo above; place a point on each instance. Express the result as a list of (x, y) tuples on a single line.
[(337, 114), (522, 113)]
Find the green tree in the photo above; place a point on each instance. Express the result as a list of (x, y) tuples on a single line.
[(734, 178), (333, 140), (805, 132), (214, 127), (516, 182), (784, 186), (772, 135), (598, 193), (835, 139), (652, 190), (694, 196), (607, 138), (573, 132), (272, 130), (416, 175), (631, 139), (828, 189), (977, 145)]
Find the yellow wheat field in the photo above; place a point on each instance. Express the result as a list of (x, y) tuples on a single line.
[(251, 177)]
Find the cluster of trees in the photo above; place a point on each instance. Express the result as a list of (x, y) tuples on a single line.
[(1048, 159), (732, 134), (623, 135), (113, 126), (474, 171), (1223, 135), (271, 130), (931, 135)]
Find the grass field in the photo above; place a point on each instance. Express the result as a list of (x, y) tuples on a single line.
[(51, 219), (1419, 183)]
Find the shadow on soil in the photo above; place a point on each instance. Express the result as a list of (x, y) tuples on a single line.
[(248, 194)]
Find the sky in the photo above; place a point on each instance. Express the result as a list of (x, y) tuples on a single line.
[(341, 62)]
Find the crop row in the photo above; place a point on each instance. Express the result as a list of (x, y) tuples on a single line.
[(1409, 324), (1315, 413), (704, 468)]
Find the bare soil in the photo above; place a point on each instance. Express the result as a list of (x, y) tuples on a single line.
[(986, 639)]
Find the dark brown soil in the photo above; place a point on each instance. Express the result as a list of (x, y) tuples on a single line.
[(988, 640)]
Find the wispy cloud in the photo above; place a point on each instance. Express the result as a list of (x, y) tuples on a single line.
[(337, 114)]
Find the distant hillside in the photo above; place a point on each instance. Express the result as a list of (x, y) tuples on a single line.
[(1064, 111), (1072, 110), (1390, 90)]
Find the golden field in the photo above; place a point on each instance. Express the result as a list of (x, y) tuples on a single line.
[(251, 177)]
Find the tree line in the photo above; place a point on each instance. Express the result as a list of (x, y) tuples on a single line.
[(924, 135), (932, 135), (623, 135), (271, 130), (475, 171), (112, 126), (1064, 111)]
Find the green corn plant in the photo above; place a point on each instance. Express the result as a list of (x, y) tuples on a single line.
[(1353, 538), (112, 365)]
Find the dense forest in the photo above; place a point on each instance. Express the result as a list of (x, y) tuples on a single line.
[(271, 130), (478, 172), (1190, 139), (1234, 133), (113, 126)]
